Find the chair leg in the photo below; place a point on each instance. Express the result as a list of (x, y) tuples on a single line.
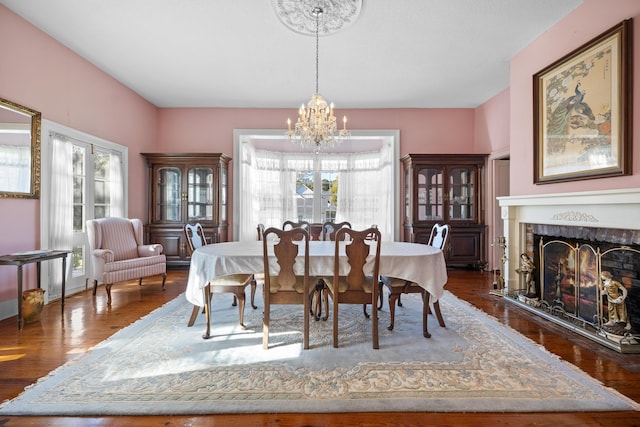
[(380, 294), (140, 281), (325, 300), (436, 308), (253, 294), (393, 297), (315, 300), (425, 314), (194, 314), (399, 301), (108, 286), (240, 295), (265, 320), (164, 279), (364, 309), (235, 301), (95, 287), (207, 310), (335, 317)]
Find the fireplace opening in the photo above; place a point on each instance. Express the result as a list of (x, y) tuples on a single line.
[(567, 281)]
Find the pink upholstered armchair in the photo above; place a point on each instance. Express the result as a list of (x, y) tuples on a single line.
[(118, 253)]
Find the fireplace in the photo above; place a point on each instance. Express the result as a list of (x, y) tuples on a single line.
[(572, 240)]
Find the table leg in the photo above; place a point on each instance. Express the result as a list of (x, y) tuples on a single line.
[(20, 297), (64, 277), (38, 275)]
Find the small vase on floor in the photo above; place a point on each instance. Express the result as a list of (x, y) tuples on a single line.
[(32, 304)]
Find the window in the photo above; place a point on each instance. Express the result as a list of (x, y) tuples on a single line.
[(272, 186)]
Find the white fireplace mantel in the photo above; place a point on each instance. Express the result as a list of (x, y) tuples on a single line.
[(607, 209)]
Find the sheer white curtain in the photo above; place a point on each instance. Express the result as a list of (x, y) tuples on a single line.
[(267, 190), (365, 193), (60, 206), (116, 188), (267, 187)]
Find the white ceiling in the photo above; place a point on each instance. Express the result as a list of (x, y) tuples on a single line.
[(237, 53)]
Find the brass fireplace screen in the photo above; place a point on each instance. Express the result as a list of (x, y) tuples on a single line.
[(570, 277)]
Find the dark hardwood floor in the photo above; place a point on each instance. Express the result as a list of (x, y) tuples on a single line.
[(43, 346)]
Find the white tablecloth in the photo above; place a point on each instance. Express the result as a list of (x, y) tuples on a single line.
[(415, 262)]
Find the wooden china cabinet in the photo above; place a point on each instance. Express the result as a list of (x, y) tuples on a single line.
[(446, 189), (186, 188)]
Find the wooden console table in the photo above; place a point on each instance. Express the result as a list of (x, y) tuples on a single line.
[(20, 259)]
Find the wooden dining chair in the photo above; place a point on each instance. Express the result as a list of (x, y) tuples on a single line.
[(319, 293), (288, 225), (397, 287), (286, 287), (356, 287), (329, 229), (232, 283)]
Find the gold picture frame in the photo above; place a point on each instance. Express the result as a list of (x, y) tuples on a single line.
[(582, 111)]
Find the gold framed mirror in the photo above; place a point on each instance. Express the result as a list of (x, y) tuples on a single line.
[(20, 129)]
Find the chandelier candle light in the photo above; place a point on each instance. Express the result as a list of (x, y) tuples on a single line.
[(316, 126)]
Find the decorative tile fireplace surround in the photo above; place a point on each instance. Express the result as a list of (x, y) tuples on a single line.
[(594, 231)]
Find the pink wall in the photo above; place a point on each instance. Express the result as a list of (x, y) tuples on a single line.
[(211, 129), (587, 21), (491, 130), (47, 77)]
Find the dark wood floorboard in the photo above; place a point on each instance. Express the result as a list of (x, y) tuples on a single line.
[(43, 346)]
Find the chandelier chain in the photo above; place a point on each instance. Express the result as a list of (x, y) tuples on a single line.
[(316, 126), (317, 11)]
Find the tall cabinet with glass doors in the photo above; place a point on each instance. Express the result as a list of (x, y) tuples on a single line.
[(186, 188), (446, 189)]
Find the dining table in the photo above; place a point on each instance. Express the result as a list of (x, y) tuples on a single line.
[(415, 262)]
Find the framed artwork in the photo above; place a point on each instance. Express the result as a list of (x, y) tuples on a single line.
[(582, 111)]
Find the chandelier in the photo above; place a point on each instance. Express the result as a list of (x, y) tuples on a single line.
[(316, 127)]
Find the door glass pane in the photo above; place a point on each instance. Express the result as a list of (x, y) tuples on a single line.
[(102, 194), (200, 194), (78, 187), (430, 190), (79, 202), (461, 194), (168, 194)]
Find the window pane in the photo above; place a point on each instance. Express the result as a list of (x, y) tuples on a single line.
[(78, 160), (101, 194), (77, 263), (78, 189), (101, 165), (78, 217), (101, 212)]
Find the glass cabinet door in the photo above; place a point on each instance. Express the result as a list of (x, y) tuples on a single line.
[(430, 190), (200, 194), (461, 194), (168, 194), (407, 196), (223, 195)]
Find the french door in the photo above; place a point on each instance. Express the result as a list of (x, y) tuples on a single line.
[(98, 183), (93, 198)]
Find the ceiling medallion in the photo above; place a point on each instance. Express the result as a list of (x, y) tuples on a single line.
[(297, 15)]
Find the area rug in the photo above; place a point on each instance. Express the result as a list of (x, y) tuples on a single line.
[(160, 366)]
